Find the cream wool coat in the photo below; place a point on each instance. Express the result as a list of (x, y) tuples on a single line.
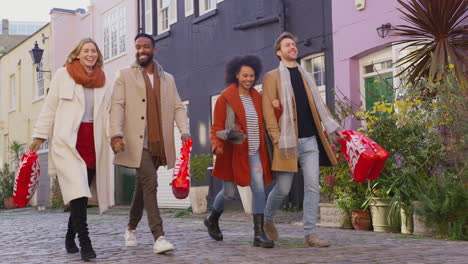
[(128, 115), (59, 121)]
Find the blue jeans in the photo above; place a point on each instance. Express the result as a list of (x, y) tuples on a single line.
[(308, 156), (256, 185)]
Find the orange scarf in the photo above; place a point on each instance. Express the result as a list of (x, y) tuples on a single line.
[(95, 79)]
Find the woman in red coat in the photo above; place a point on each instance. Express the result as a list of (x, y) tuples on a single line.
[(241, 163)]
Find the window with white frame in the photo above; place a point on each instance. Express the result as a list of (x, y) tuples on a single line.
[(39, 82), (166, 14), (114, 32), (206, 6), (188, 6), (148, 17), (12, 92), (315, 64)]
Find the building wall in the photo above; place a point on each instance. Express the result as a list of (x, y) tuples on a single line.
[(355, 37), (16, 123), (195, 51)]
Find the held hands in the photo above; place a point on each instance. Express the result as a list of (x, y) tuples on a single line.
[(117, 145), (35, 144)]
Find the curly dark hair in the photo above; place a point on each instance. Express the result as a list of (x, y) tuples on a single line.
[(144, 35), (235, 64)]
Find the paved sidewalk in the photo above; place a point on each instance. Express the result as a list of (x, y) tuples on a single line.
[(31, 236)]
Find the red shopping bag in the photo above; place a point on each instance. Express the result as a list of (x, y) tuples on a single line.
[(366, 159), (26, 179), (181, 177)]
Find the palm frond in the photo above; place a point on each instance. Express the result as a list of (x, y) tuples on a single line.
[(436, 30)]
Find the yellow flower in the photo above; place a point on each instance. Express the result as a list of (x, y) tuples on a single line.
[(451, 66)]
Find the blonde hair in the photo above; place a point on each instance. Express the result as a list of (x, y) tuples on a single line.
[(76, 51)]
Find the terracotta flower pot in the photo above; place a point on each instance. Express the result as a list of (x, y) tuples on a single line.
[(8, 202), (361, 220)]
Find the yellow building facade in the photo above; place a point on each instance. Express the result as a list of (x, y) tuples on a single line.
[(22, 93)]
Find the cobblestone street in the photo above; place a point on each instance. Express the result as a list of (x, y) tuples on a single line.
[(31, 236)]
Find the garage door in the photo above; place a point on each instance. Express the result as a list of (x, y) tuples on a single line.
[(166, 198)]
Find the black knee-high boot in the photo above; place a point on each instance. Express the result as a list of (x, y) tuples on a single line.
[(79, 215), (212, 223), (260, 239), (70, 245)]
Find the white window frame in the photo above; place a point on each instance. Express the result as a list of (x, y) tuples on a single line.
[(149, 17), (12, 95), (309, 59), (168, 13), (206, 6), (114, 33), (40, 90), (188, 7)]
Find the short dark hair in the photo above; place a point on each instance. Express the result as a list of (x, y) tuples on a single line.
[(144, 35), (234, 65), (283, 35)]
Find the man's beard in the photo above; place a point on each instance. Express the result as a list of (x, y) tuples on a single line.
[(145, 62)]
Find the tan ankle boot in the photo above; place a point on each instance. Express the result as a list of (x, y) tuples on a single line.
[(313, 241), (270, 230)]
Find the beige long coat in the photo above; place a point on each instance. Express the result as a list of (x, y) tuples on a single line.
[(128, 115), (59, 121), (271, 91)]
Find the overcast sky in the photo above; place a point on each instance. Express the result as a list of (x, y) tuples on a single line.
[(36, 10)]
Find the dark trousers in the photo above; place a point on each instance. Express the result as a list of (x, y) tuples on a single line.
[(145, 195)]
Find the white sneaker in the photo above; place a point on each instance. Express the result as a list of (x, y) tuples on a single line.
[(162, 245), (130, 238)]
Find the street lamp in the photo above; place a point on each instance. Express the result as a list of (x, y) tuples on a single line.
[(383, 30), (36, 55)]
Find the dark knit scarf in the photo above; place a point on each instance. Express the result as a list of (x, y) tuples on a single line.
[(153, 114)]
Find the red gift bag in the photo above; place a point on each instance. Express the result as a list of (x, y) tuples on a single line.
[(181, 177), (26, 179), (366, 159)]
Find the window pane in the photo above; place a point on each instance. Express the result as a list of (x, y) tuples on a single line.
[(114, 32)]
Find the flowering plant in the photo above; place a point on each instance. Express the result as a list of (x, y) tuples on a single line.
[(421, 134), (339, 186)]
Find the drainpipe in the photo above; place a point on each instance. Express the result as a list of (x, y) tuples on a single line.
[(261, 21), (282, 15)]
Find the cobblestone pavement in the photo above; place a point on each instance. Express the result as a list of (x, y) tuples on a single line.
[(31, 236)]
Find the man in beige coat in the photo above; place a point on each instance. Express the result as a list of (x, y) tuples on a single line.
[(297, 135), (145, 104)]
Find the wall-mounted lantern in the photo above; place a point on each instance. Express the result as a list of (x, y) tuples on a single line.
[(384, 29), (36, 55)]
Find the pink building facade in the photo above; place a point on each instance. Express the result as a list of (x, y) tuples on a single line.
[(363, 59)]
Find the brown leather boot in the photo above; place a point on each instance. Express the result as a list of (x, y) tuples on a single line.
[(313, 241), (270, 230)]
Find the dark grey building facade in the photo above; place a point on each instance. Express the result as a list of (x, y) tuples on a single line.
[(195, 38)]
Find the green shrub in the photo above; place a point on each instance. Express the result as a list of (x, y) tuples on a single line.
[(7, 181), (444, 205), (199, 163)]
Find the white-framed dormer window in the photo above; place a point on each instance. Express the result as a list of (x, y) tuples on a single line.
[(188, 7), (206, 6), (148, 17), (115, 35), (315, 64), (39, 82), (12, 101), (167, 14)]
